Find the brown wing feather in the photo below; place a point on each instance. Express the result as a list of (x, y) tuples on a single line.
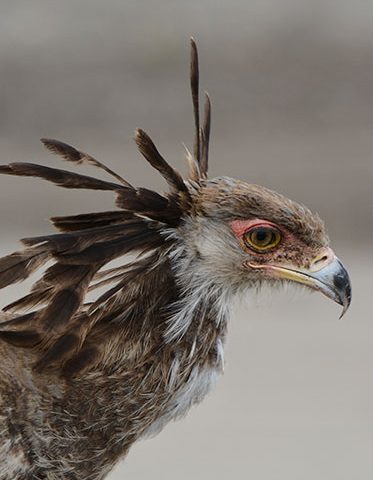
[(18, 266), (39, 296), (23, 338)]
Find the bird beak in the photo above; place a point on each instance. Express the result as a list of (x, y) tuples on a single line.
[(326, 275)]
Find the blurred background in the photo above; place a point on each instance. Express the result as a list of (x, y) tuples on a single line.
[(291, 83)]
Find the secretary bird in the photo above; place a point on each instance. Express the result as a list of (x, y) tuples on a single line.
[(82, 381)]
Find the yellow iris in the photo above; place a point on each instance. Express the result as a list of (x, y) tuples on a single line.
[(262, 238)]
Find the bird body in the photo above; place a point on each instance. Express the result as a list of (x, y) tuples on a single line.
[(79, 428), (82, 381)]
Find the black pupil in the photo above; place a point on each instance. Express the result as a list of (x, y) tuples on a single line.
[(262, 235)]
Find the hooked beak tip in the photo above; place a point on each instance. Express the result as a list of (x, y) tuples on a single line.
[(345, 308), (343, 287)]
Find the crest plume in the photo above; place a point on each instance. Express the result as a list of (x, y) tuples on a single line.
[(201, 135), (150, 152), (71, 154)]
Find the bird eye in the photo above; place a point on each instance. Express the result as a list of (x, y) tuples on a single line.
[(262, 239)]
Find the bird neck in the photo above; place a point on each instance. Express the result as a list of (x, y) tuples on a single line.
[(177, 311), (197, 321)]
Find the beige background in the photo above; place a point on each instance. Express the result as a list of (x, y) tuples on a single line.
[(292, 88)]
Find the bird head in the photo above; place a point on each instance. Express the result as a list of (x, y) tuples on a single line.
[(243, 235)]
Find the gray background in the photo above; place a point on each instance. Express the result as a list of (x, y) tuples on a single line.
[(291, 83)]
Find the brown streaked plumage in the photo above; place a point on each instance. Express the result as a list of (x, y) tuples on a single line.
[(82, 381)]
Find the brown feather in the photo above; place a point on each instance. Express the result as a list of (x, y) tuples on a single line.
[(77, 241), (150, 204), (205, 136), (201, 135), (61, 178), (151, 154), (63, 305), (64, 346), (107, 251), (22, 338), (90, 220), (81, 361), (108, 280), (18, 266), (71, 154), (15, 322), (194, 85), (36, 298)]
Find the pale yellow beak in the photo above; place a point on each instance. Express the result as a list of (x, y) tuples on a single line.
[(326, 275)]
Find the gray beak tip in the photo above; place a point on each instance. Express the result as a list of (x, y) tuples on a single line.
[(343, 284), (345, 308)]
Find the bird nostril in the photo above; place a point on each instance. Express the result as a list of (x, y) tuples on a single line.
[(320, 260)]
